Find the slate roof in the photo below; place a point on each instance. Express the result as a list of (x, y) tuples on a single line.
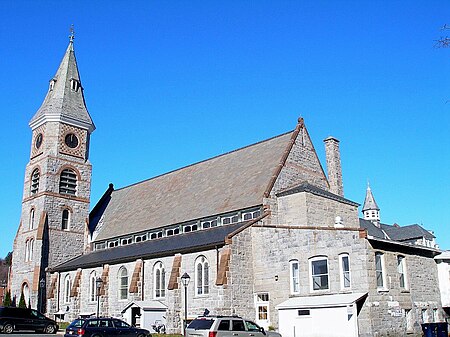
[(226, 183), (307, 187), (372, 230), (369, 201), (62, 103), (406, 232), (395, 233), (192, 241)]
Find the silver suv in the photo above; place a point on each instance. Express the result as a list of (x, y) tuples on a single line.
[(226, 326)]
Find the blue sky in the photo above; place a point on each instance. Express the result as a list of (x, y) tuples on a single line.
[(170, 83)]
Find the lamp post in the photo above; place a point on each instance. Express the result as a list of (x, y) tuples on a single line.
[(185, 280), (41, 296), (98, 285)]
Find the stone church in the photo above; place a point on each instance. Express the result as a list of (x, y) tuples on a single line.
[(263, 232)]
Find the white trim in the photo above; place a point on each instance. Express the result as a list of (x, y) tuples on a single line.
[(311, 279), (342, 271), (294, 280)]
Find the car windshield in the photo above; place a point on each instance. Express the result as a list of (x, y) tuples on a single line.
[(201, 324), (76, 323), (121, 324)]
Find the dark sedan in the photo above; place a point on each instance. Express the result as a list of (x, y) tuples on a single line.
[(103, 327)]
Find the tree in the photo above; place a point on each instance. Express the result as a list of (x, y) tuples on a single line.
[(22, 303), (444, 41), (7, 300)]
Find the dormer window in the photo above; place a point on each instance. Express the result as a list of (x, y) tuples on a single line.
[(52, 84), (74, 84)]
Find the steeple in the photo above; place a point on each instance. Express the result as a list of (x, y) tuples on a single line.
[(370, 209), (64, 101)]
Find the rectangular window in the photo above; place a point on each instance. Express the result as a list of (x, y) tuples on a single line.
[(379, 268), (262, 313), (304, 312), (295, 277), (401, 269), (319, 274), (345, 271), (424, 316), (409, 320)]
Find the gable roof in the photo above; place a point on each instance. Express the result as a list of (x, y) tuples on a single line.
[(407, 232), (395, 232), (233, 181), (176, 244)]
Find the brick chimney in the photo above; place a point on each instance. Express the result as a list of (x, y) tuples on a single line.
[(334, 165)]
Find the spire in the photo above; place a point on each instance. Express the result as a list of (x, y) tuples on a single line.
[(370, 209), (369, 202), (64, 101)]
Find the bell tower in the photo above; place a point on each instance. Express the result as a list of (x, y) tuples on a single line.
[(57, 184)]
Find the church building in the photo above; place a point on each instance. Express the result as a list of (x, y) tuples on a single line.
[(262, 232)]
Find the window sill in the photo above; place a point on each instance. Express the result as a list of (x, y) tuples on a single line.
[(405, 291), (382, 290)]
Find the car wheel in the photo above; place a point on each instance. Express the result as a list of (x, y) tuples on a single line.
[(8, 328), (50, 329), (141, 335)]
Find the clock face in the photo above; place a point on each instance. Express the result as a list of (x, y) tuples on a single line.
[(71, 140), (38, 141)]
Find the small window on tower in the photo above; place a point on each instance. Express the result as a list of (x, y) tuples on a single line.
[(65, 220), (68, 182), (74, 84)]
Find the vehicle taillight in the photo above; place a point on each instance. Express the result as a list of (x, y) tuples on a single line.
[(80, 332), (212, 334)]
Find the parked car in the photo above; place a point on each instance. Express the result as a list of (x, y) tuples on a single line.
[(13, 319), (226, 326), (103, 327)]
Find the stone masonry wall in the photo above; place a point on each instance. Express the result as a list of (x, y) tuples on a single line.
[(218, 301), (274, 248), (307, 209), (388, 307)]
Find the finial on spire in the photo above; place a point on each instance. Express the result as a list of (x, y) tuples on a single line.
[(72, 33)]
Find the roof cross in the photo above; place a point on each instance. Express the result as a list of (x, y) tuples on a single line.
[(72, 33)]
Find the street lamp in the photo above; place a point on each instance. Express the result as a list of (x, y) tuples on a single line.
[(98, 285), (185, 280), (41, 297)]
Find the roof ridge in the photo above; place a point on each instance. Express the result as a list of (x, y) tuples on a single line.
[(204, 160)]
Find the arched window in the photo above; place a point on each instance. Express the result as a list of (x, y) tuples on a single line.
[(319, 273), (32, 218), (380, 270), (294, 273), (92, 287), (201, 276), (68, 182), (65, 220), (27, 250), (34, 188), (31, 248), (159, 278), (29, 245), (123, 283), (67, 285), (344, 264), (26, 293), (401, 269)]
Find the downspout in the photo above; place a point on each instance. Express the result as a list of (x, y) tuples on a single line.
[(57, 292), (142, 282)]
